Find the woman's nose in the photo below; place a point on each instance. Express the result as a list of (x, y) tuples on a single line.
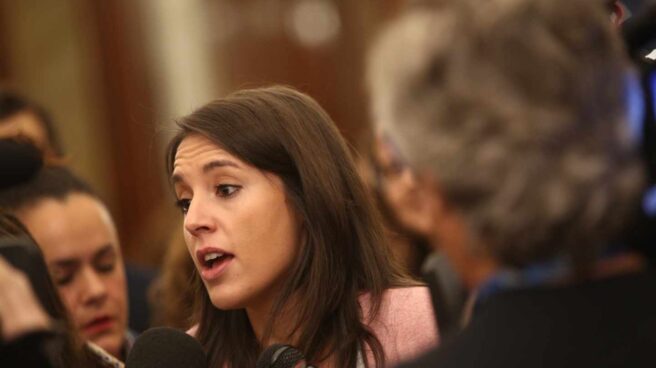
[(198, 219), (95, 289)]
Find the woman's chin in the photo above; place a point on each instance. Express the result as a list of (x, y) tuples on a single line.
[(224, 302)]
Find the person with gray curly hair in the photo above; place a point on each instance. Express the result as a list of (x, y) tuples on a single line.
[(512, 114)]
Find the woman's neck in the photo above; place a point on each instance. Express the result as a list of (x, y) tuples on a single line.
[(282, 323)]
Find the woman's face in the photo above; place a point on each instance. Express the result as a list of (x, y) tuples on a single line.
[(401, 191), (240, 229)]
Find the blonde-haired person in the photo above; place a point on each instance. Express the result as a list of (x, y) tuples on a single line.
[(512, 115)]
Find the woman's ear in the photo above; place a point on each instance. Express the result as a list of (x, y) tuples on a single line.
[(618, 16)]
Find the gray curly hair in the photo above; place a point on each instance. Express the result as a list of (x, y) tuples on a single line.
[(517, 108)]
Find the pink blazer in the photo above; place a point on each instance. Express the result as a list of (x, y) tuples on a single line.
[(405, 325)]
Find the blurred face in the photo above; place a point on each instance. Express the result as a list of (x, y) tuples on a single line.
[(400, 190), (240, 229), (81, 249), (26, 125)]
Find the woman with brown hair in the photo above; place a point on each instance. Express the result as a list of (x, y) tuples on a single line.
[(287, 244)]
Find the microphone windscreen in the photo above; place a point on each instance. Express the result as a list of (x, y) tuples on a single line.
[(19, 162), (165, 347), (280, 356)]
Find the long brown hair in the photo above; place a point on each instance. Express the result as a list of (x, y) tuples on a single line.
[(284, 132)]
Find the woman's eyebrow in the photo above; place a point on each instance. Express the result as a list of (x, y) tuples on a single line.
[(218, 163), (67, 263), (106, 250), (176, 178)]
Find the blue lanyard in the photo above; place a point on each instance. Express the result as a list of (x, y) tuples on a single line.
[(537, 274)]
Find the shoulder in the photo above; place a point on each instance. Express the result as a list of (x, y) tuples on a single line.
[(402, 305), (405, 324), (409, 303)]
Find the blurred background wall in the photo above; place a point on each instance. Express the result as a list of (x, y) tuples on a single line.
[(116, 73)]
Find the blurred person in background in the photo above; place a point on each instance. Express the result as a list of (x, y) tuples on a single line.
[(407, 228), (26, 329), (25, 120), (35, 334), (406, 245), (514, 120), (22, 118), (75, 231), (25, 323)]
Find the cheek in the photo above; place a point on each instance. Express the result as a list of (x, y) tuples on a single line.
[(188, 240), (117, 286), (281, 263), (277, 248), (69, 298)]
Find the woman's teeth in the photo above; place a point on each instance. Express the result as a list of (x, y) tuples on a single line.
[(210, 258)]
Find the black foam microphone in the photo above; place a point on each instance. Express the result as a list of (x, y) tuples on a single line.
[(164, 347), (18, 162), (281, 356)]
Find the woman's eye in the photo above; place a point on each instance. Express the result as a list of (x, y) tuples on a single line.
[(62, 279), (226, 190), (183, 205), (106, 265)]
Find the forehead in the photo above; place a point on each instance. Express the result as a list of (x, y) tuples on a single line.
[(196, 150), (74, 228), (195, 144)]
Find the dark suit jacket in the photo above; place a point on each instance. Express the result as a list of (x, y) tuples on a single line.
[(139, 280), (603, 323)]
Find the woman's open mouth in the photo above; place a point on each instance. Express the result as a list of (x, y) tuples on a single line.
[(213, 263)]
